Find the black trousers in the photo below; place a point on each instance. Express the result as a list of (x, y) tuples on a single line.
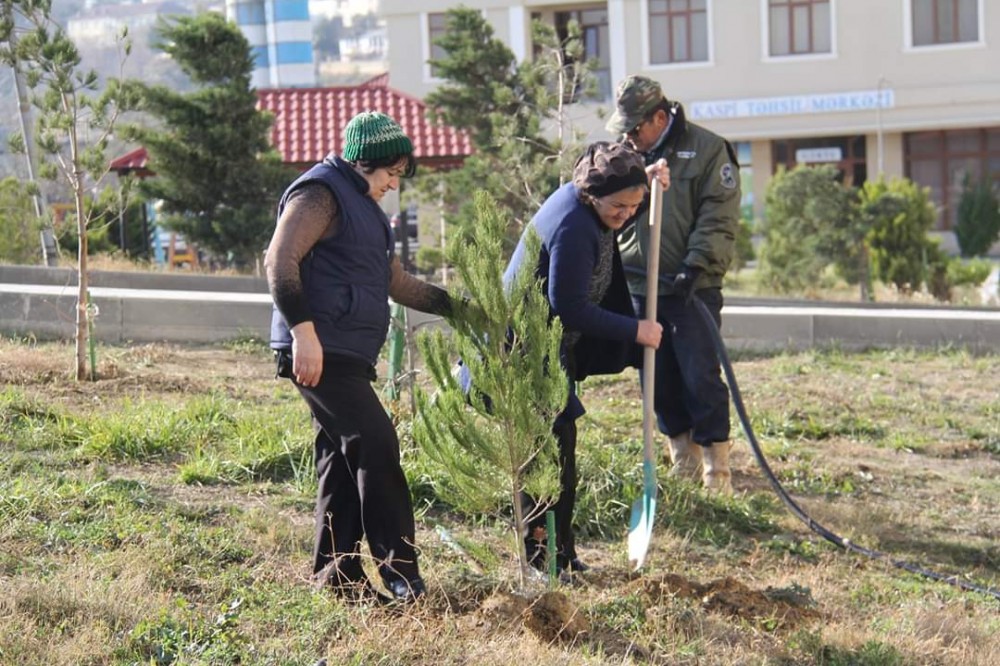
[(362, 490), (689, 393), (535, 540)]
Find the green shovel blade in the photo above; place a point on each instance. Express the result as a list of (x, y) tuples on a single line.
[(640, 529)]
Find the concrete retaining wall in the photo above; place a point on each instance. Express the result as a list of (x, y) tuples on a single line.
[(238, 307), (123, 318), (66, 277)]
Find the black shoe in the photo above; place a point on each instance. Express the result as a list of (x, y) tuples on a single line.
[(360, 593), (576, 566), (407, 591)]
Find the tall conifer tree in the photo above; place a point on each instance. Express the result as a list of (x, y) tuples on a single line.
[(216, 172), (517, 114)]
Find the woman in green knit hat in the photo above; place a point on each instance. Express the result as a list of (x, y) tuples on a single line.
[(331, 269)]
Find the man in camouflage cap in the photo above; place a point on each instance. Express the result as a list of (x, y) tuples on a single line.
[(636, 97), (700, 220)]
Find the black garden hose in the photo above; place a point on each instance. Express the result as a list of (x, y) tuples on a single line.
[(846, 544)]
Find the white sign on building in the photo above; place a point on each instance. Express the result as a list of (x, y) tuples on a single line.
[(861, 100), (818, 155)]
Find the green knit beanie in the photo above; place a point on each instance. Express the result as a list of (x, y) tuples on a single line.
[(371, 135)]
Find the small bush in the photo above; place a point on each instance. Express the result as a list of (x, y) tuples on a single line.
[(19, 227), (899, 214), (978, 225), (744, 245), (806, 213), (972, 272)]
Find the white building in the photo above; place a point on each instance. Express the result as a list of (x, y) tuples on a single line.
[(370, 45), (346, 9), (899, 87)]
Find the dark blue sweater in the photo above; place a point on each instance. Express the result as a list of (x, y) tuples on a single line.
[(570, 234)]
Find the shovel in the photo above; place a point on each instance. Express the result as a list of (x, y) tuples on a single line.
[(640, 529)]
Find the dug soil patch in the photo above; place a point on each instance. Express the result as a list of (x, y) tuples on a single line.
[(779, 608)]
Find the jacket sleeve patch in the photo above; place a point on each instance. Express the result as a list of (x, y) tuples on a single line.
[(727, 175)]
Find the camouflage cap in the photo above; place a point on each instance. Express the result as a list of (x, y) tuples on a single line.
[(635, 98)]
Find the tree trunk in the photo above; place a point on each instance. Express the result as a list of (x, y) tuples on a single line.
[(81, 294), (867, 288), (76, 176), (522, 556)]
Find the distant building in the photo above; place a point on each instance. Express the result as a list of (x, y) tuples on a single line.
[(100, 26), (280, 33), (346, 9), (370, 45)]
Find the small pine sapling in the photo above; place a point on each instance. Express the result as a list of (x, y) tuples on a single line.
[(496, 440)]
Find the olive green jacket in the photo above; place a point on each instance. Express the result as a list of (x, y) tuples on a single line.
[(701, 210)]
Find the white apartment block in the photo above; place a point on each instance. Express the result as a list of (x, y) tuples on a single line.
[(895, 87)]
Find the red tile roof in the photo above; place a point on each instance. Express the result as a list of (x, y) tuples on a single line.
[(134, 161), (309, 122)]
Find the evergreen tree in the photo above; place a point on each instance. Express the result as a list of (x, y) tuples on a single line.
[(978, 226), (74, 125), (216, 173), (497, 440), (516, 114), (900, 215), (804, 208), (19, 227)]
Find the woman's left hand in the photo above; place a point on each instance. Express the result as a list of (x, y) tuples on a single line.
[(660, 171)]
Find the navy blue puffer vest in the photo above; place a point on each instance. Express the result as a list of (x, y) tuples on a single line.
[(345, 278)]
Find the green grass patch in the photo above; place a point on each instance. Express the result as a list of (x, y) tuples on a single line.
[(176, 527), (815, 425), (870, 653), (714, 520), (807, 478), (248, 344)]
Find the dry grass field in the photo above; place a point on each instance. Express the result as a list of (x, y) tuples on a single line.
[(162, 515)]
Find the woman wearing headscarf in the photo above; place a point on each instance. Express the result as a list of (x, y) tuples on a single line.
[(331, 268), (582, 276)]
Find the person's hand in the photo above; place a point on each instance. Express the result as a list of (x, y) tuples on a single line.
[(649, 334), (661, 172), (467, 311), (684, 283), (307, 354)]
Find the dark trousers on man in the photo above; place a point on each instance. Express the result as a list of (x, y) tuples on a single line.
[(362, 490), (689, 393), (535, 541)]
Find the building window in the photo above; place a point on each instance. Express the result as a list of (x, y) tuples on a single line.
[(436, 28), (798, 27), (594, 33), (941, 160), (678, 31), (847, 153), (945, 21)]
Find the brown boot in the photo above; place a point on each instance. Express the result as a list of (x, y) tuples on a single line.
[(717, 476), (686, 458)]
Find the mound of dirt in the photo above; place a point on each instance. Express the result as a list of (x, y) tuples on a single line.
[(553, 617), (786, 608), (550, 616)]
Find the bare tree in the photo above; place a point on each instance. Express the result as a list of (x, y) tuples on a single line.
[(75, 121)]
